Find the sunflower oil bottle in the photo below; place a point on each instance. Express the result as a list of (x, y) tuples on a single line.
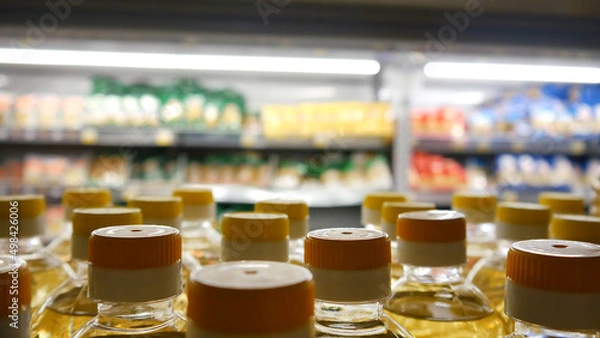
[(370, 213), (69, 307), (22, 225), (15, 297), (479, 209), (251, 299), (255, 236), (389, 215), (134, 276), (200, 239), (562, 203), (553, 289), (576, 228), (298, 216), (352, 272), (72, 199), (432, 298)]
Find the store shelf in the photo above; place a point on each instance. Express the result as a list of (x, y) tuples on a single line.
[(501, 144)]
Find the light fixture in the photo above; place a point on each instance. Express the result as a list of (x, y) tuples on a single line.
[(275, 64), (511, 72)]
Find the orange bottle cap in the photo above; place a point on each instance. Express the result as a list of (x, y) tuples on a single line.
[(391, 210), (255, 226), (14, 275), (86, 220), (191, 195), (562, 203), (251, 298), (555, 265), (434, 226), (132, 247), (576, 228), (28, 206), (86, 197), (157, 206), (297, 210), (528, 214), (375, 200), (347, 249)]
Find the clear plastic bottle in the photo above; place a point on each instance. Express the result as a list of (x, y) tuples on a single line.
[(553, 289), (298, 215), (352, 272), (562, 203), (255, 236), (479, 209), (72, 199), (251, 299), (576, 228), (370, 213), (389, 215), (22, 224), (134, 276), (163, 210), (200, 239), (69, 307), (15, 297), (432, 299), (514, 222)]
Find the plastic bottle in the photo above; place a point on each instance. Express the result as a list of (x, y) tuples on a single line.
[(69, 307), (352, 272), (370, 213), (298, 215), (22, 224), (251, 299), (562, 203), (553, 289), (479, 209), (255, 236), (575, 228), (432, 299), (134, 276), (72, 199), (200, 238), (163, 210), (389, 215), (15, 297)]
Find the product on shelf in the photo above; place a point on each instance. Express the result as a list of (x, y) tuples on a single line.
[(441, 122), (435, 173)]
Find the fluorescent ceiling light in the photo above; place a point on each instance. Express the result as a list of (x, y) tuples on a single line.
[(469, 98), (508, 72), (72, 58)]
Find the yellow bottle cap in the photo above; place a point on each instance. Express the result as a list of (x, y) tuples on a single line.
[(86, 197), (86, 220), (434, 226), (14, 269), (576, 228), (555, 265), (251, 298), (255, 226), (517, 213), (562, 203), (391, 210), (194, 196), (297, 210), (157, 206), (375, 200), (347, 249), (478, 207), (133, 247), (28, 206)]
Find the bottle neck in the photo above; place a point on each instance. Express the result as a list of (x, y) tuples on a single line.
[(23, 246), (433, 275), (503, 245), (530, 330), (332, 312), (135, 315)]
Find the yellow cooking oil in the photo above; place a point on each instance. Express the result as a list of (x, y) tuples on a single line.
[(46, 275), (204, 249), (433, 311)]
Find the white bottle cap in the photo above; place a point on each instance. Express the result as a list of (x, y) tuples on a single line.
[(371, 207), (198, 203), (296, 210), (520, 221)]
